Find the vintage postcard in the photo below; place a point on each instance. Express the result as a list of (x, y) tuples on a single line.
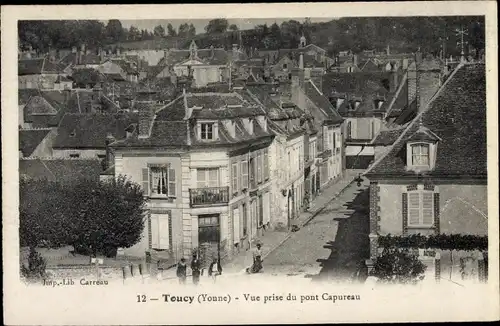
[(250, 163)]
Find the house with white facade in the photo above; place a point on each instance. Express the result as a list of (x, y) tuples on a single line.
[(203, 161)]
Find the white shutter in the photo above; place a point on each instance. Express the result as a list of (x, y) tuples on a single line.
[(236, 225), (414, 208), (266, 208), (201, 178), (155, 238), (163, 231), (427, 208)]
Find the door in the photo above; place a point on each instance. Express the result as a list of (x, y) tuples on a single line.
[(209, 236)]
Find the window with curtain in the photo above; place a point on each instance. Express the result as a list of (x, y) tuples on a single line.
[(162, 181), (420, 155)]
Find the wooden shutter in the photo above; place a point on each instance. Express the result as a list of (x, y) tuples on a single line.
[(427, 209), (266, 165), (244, 174), (267, 208), (259, 167), (155, 235), (213, 177), (437, 222), (234, 177), (201, 177), (236, 225), (145, 181), (171, 182), (404, 209), (163, 230), (414, 208)]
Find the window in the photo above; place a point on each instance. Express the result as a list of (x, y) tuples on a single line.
[(420, 208), (252, 172), (349, 129), (244, 175), (285, 66), (420, 155), (162, 181), (234, 178), (208, 220), (207, 177), (333, 140), (207, 131), (74, 155), (236, 225), (266, 165)]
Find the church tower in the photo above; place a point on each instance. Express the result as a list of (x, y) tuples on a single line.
[(302, 43)]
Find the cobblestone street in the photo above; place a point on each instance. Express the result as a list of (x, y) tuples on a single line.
[(332, 244)]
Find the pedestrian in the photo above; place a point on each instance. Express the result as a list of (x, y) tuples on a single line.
[(181, 271), (215, 269), (257, 259), (195, 268)]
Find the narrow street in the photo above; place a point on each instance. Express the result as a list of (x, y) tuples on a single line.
[(332, 244)]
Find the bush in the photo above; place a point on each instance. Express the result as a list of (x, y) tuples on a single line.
[(36, 267), (398, 266)]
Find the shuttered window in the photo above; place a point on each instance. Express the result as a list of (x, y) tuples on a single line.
[(160, 235), (420, 208), (207, 178), (159, 181), (244, 174), (259, 167)]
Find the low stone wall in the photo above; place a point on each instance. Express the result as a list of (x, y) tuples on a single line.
[(102, 273)]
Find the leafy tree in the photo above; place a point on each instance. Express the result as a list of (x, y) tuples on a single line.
[(218, 25), (114, 30), (398, 266), (133, 33), (159, 31), (108, 215), (183, 30), (233, 28), (171, 30), (36, 267), (192, 30), (86, 76)]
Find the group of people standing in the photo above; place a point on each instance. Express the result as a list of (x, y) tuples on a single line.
[(214, 270)]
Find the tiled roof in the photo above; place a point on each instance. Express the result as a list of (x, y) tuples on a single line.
[(36, 67), (208, 56), (29, 139), (387, 137), (25, 94), (63, 170), (322, 102), (91, 130), (457, 115), (359, 83)]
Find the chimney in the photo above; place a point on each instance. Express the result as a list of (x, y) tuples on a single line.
[(418, 57), (393, 83), (73, 49), (118, 52), (388, 51), (146, 119), (101, 55), (301, 61), (187, 109), (355, 59)]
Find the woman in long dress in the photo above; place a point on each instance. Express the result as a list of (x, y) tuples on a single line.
[(257, 259)]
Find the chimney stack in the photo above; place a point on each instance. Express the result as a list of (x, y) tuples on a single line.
[(355, 59), (146, 118), (73, 49), (301, 61)]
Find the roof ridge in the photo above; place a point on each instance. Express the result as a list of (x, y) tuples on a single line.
[(53, 158), (415, 120), (405, 78)]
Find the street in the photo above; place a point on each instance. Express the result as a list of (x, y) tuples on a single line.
[(332, 244)]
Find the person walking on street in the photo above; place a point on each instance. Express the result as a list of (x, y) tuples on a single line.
[(257, 258), (181, 271), (215, 269), (195, 268)]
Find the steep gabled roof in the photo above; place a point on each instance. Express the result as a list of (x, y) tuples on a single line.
[(317, 97), (29, 139), (457, 115), (37, 66)]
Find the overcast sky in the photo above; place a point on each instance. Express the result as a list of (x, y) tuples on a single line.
[(200, 24)]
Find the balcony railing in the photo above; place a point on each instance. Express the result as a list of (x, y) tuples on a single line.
[(208, 196)]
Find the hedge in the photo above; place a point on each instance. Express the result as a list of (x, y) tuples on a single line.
[(440, 241)]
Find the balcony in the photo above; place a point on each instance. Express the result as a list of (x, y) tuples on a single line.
[(209, 196)]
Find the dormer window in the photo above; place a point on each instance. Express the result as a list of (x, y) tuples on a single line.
[(420, 155), (207, 130)]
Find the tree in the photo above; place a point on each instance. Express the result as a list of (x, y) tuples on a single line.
[(108, 215), (192, 30), (86, 76), (183, 30), (233, 28), (159, 31), (114, 30), (133, 33), (398, 266), (171, 30), (218, 25)]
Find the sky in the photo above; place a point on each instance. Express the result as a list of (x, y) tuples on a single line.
[(200, 24)]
